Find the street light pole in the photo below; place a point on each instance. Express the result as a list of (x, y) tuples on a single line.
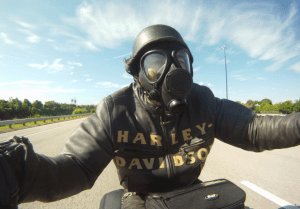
[(224, 47)]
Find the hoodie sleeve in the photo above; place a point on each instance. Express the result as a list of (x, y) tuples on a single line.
[(241, 127), (84, 156)]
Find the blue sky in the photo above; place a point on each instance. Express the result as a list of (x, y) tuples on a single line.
[(59, 50)]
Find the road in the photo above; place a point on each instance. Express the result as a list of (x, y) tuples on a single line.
[(276, 172)]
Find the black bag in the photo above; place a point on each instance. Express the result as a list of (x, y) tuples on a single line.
[(219, 193)]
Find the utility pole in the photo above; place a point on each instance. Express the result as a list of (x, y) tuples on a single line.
[(224, 47)]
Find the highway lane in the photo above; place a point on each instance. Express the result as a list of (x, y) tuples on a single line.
[(276, 171)]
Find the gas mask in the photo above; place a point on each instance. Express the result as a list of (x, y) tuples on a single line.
[(167, 76)]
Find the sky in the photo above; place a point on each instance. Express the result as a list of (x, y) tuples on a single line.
[(61, 50)]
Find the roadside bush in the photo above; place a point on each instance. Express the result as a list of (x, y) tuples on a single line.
[(79, 111)]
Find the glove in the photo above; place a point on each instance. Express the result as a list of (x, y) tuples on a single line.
[(17, 162)]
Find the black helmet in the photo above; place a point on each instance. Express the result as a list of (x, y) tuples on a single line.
[(148, 36)]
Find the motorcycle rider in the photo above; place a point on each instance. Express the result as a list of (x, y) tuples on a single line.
[(158, 131)]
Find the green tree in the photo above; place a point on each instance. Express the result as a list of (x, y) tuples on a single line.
[(265, 106), (250, 102), (267, 101), (275, 108), (3, 109), (286, 107), (296, 106), (257, 109), (16, 107), (52, 108), (37, 108), (67, 108), (256, 102), (26, 108), (79, 111)]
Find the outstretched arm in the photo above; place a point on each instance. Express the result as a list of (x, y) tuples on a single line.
[(241, 127), (84, 156)]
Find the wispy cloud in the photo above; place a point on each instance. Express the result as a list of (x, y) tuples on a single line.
[(205, 84), (213, 59), (258, 31), (108, 85), (33, 93), (260, 78), (70, 41), (296, 67), (75, 63), (39, 66), (122, 56), (32, 90), (126, 75), (240, 77), (26, 82), (254, 28), (74, 81), (89, 79), (251, 62), (126, 21), (4, 37), (32, 38), (26, 25), (196, 69), (56, 66)]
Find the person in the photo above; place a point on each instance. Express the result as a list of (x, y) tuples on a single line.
[(159, 131)]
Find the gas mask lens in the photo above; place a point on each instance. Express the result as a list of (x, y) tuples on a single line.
[(153, 65), (183, 59), (154, 62)]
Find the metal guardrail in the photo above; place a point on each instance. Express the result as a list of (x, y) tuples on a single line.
[(26, 120)]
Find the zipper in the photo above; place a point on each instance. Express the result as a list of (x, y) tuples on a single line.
[(188, 146), (133, 153), (159, 204), (168, 158), (238, 205)]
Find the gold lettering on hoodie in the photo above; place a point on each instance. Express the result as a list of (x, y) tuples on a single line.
[(186, 134), (178, 161), (155, 139), (201, 128), (135, 161), (120, 161), (190, 158), (161, 162), (173, 138), (123, 136), (140, 137), (149, 165), (202, 154)]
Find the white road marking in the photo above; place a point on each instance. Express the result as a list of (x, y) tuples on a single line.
[(266, 194)]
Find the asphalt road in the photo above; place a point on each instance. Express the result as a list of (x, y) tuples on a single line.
[(270, 178)]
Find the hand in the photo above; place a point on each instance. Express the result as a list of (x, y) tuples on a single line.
[(10, 172), (14, 168)]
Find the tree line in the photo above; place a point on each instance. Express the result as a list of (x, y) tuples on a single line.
[(14, 108), (266, 105)]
